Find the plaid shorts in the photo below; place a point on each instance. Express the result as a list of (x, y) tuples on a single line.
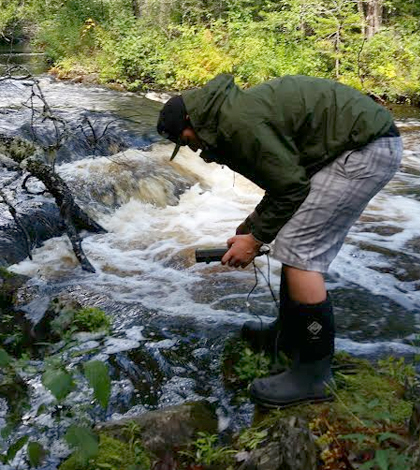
[(339, 193)]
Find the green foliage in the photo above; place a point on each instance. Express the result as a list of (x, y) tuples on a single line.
[(36, 454), (10, 15), (97, 374), (205, 450), (6, 274), (252, 437), (135, 446), (185, 43), (397, 369), (84, 441), (372, 397), (252, 365), (91, 319), (112, 455), (199, 55), (5, 359), (387, 459), (365, 426), (59, 382), (390, 64), (337, 27)]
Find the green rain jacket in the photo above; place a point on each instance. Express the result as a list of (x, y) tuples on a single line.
[(279, 134)]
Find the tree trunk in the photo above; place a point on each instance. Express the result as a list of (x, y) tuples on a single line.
[(360, 8), (337, 52), (135, 8), (373, 17)]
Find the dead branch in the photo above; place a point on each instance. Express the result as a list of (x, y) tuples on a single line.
[(9, 75), (76, 242)]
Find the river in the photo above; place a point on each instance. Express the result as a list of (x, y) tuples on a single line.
[(171, 316)]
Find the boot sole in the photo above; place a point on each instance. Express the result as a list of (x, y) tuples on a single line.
[(309, 401)]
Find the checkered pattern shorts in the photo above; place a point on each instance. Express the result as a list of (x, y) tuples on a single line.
[(339, 193)]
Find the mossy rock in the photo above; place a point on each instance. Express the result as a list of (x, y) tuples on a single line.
[(16, 148), (160, 431), (57, 319), (113, 455)]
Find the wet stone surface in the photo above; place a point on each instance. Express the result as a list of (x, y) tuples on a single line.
[(363, 316)]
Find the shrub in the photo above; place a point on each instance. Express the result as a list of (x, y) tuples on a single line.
[(91, 319)]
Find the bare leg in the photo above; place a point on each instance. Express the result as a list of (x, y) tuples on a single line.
[(306, 287)]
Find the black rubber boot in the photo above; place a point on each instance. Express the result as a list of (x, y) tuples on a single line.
[(309, 379), (266, 337), (275, 336)]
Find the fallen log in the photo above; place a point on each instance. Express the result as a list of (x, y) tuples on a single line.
[(30, 159)]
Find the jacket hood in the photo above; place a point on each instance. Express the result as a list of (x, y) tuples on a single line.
[(203, 106)]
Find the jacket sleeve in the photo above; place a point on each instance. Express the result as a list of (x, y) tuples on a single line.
[(271, 161)]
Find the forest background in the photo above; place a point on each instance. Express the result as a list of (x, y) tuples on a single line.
[(373, 45)]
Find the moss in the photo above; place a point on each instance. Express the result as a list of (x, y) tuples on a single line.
[(16, 148), (202, 415), (113, 455), (374, 398)]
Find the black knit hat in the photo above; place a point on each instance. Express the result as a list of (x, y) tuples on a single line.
[(172, 121)]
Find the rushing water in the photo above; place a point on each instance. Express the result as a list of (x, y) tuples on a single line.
[(170, 315)]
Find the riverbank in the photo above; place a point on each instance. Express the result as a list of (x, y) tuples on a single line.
[(78, 70)]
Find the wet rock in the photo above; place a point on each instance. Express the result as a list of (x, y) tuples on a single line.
[(142, 370), (401, 263), (40, 220), (289, 447), (362, 315), (166, 430), (8, 163)]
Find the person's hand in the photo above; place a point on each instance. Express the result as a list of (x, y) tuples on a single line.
[(242, 250)]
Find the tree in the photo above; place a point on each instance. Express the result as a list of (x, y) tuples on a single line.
[(373, 17), (336, 25)]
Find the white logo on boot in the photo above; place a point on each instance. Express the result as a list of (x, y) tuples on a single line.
[(315, 327)]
